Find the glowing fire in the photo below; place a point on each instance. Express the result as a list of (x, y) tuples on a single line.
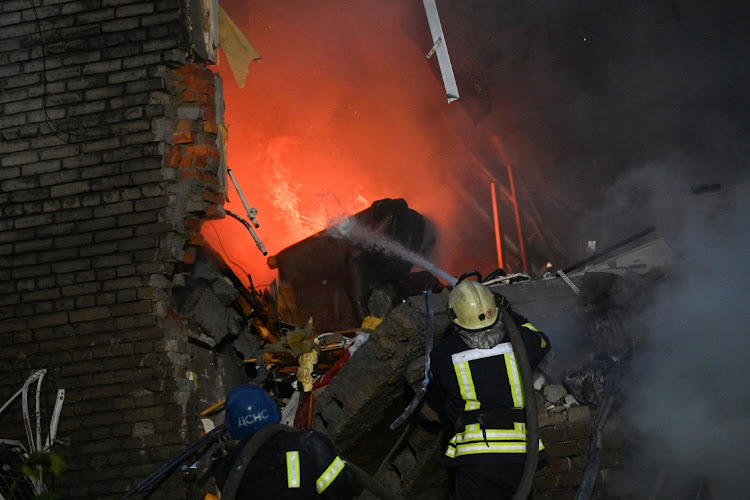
[(328, 123)]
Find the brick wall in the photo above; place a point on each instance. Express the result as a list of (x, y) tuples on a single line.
[(567, 434), (109, 163)]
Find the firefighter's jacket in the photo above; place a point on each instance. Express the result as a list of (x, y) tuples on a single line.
[(293, 465), (483, 395)]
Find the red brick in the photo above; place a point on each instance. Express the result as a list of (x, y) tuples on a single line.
[(189, 256), (190, 95), (196, 239), (184, 126), (209, 179), (213, 212), (185, 137), (210, 128), (185, 161), (193, 223), (213, 198), (174, 156), (196, 150)]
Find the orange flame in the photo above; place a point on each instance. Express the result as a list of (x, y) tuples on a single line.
[(331, 122)]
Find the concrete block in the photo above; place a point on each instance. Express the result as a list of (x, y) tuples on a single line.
[(554, 393), (579, 414)]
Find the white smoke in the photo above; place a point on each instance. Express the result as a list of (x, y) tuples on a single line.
[(688, 401)]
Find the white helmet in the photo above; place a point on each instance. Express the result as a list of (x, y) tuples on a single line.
[(472, 306)]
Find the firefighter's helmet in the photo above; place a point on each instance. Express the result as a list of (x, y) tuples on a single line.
[(248, 409), (472, 306)]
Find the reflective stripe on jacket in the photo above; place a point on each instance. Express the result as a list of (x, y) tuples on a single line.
[(294, 479)]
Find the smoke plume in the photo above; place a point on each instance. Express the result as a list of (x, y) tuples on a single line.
[(686, 397)]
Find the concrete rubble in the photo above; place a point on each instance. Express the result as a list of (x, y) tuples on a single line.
[(364, 376)]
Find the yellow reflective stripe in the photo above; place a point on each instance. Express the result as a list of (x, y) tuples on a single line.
[(454, 451), (466, 385), (533, 329), (474, 432), (331, 473), (292, 469), (514, 377)]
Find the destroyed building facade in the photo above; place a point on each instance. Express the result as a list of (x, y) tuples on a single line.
[(111, 159)]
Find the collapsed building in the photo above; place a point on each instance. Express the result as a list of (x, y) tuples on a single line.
[(112, 159)]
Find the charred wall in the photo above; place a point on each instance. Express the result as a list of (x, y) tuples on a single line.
[(109, 164)]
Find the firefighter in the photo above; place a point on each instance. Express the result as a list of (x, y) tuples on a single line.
[(292, 464), (476, 375)]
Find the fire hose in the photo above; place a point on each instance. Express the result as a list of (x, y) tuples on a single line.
[(260, 438), (532, 425)]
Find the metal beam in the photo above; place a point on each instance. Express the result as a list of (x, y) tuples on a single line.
[(440, 48)]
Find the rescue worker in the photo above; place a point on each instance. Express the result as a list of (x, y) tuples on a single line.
[(476, 374), (292, 464)]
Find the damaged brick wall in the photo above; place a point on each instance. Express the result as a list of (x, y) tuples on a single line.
[(110, 155), (567, 434)]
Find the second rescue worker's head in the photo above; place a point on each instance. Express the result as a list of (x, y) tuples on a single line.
[(248, 409)]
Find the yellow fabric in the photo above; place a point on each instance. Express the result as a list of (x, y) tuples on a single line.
[(371, 322), (237, 48), (306, 366)]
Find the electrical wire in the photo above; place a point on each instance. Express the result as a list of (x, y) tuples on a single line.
[(226, 254)]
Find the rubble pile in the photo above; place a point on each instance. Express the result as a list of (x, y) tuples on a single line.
[(352, 383)]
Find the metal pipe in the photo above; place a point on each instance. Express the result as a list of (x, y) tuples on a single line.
[(498, 245), (250, 211), (518, 217)]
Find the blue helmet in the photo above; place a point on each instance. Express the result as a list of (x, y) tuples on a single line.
[(249, 408)]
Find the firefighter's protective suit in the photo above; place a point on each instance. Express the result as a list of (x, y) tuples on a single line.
[(476, 374), (292, 464)]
